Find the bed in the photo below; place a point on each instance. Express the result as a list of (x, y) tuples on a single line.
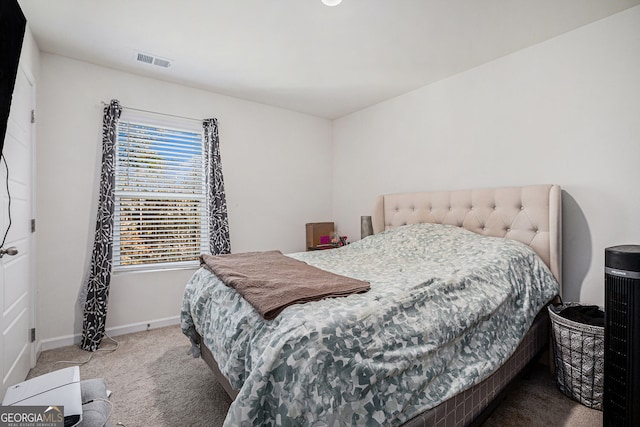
[(331, 363)]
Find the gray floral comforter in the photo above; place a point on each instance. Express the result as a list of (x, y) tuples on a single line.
[(446, 307)]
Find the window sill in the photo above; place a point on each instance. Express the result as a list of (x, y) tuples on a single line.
[(155, 268)]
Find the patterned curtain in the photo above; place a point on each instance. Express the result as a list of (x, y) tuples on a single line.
[(219, 242), (95, 307)]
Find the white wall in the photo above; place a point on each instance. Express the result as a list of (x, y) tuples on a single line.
[(566, 111), (275, 163)]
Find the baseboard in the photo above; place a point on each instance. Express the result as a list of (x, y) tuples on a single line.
[(142, 326), (57, 342), (67, 340)]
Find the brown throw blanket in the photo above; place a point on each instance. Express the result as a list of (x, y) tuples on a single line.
[(271, 281)]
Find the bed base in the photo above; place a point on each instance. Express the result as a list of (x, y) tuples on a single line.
[(206, 355), (470, 407)]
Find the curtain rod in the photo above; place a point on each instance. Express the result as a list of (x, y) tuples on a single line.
[(155, 112)]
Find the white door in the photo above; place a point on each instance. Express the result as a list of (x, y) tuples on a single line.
[(16, 271)]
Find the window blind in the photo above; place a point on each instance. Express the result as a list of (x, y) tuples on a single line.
[(160, 211)]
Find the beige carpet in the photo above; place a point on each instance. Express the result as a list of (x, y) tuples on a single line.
[(155, 383)]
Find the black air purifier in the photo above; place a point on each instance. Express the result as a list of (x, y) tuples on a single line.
[(621, 398)]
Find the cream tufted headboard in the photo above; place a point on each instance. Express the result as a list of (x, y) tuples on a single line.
[(531, 215)]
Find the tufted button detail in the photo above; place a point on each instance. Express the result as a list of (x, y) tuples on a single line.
[(521, 208), (484, 228), (537, 231), (397, 209), (508, 230)]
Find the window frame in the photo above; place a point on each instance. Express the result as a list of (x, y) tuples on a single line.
[(170, 123)]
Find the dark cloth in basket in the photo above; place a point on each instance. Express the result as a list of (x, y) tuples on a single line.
[(586, 314)]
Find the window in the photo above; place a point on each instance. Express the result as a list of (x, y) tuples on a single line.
[(160, 203)]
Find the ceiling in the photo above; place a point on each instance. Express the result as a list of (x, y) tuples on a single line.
[(300, 54)]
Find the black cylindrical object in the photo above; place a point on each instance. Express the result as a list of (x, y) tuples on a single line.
[(622, 337)]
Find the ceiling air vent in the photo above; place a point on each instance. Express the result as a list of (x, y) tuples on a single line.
[(162, 62), (152, 60), (145, 58)]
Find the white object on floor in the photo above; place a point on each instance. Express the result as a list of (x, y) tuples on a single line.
[(57, 388)]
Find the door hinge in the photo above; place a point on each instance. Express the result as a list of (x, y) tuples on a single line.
[(33, 334), (33, 116), (33, 225)]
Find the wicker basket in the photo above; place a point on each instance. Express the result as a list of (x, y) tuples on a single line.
[(578, 351)]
